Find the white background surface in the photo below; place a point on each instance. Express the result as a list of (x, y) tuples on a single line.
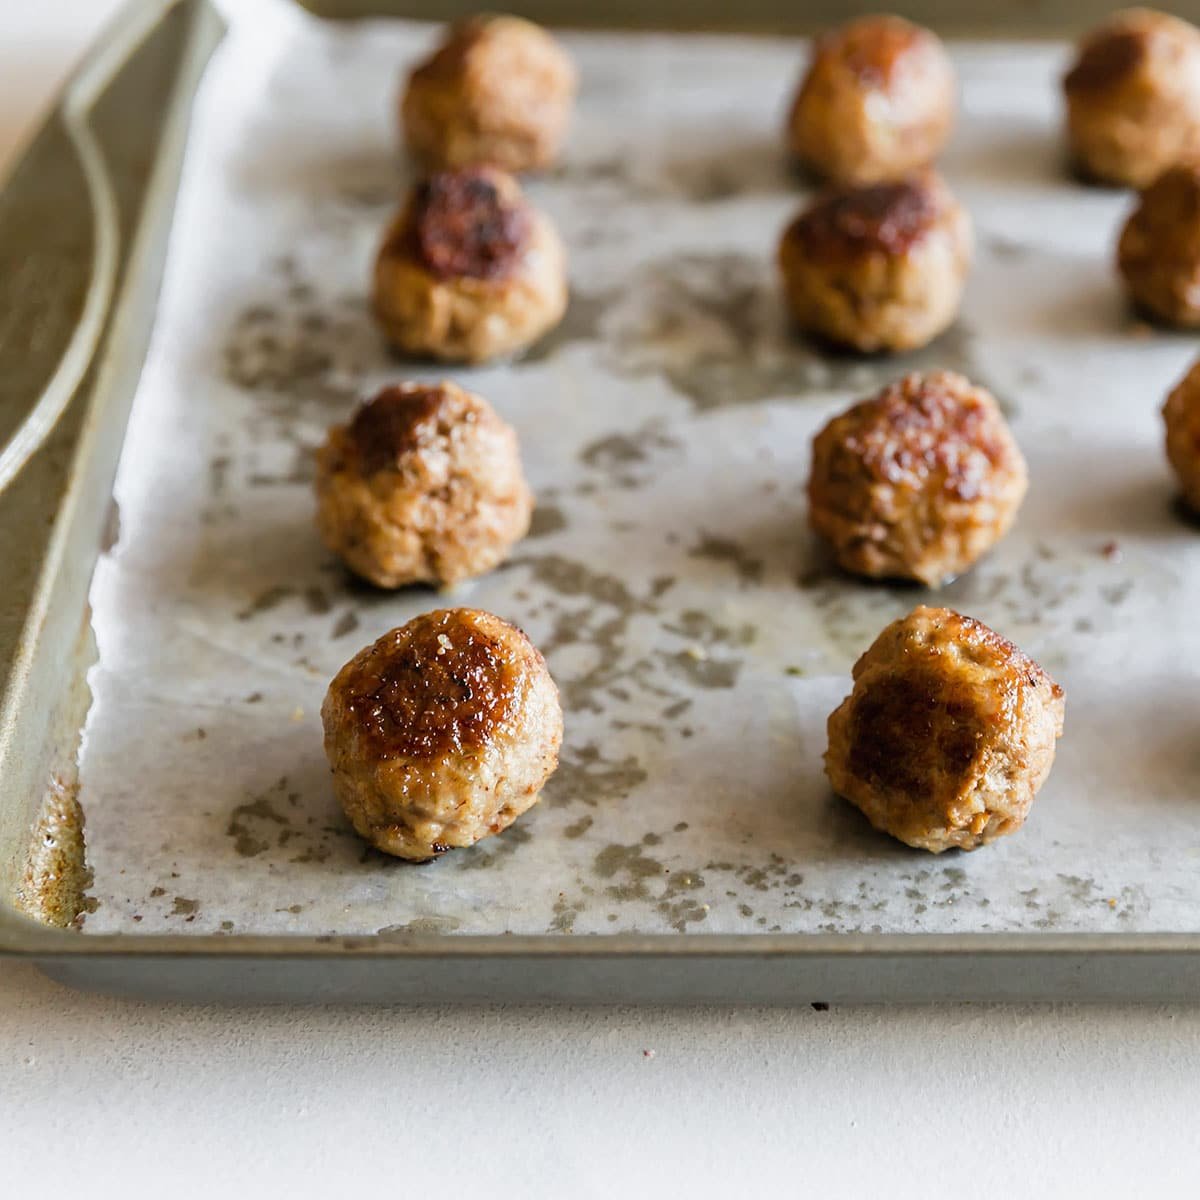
[(113, 1098)]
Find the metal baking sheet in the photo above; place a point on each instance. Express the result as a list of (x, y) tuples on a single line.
[(697, 634)]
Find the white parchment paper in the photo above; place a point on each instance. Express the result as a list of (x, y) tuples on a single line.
[(697, 635)]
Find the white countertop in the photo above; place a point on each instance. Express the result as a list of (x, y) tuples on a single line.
[(116, 1098)]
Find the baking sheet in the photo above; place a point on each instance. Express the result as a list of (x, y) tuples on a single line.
[(698, 636)]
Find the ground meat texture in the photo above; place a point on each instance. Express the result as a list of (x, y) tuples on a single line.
[(423, 485), (877, 268), (1159, 251), (877, 102), (441, 733), (1133, 97), (469, 270), (948, 734), (917, 482), (1182, 416), (498, 90)]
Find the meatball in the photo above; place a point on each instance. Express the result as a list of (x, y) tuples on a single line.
[(1133, 97), (1159, 250), (917, 482), (880, 267), (876, 103), (469, 270), (424, 485), (1182, 415), (441, 733), (498, 90), (948, 734)]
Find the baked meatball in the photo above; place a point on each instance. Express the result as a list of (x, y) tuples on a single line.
[(878, 268), (498, 90), (948, 734), (469, 270), (917, 482), (1133, 97), (1182, 415), (1159, 250), (441, 733), (424, 485), (876, 103)]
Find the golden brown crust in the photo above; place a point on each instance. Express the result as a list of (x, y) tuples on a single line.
[(424, 485), (498, 90), (917, 482), (883, 218), (1159, 251), (1181, 413), (442, 683), (876, 102), (936, 426), (1133, 97), (1107, 58), (468, 223), (948, 733), (469, 270), (441, 733), (880, 267), (394, 423)]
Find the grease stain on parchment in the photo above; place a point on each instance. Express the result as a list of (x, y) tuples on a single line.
[(419, 926), (714, 327)]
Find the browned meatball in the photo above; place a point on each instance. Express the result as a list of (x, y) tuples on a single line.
[(876, 103), (917, 482), (880, 267), (441, 733), (1159, 250), (423, 485), (498, 90), (469, 270), (1182, 415), (1133, 97), (948, 734)]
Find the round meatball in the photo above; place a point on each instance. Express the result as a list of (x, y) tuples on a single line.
[(1182, 415), (1159, 250), (441, 733), (424, 485), (1133, 97), (878, 268), (876, 103), (498, 90), (469, 270), (917, 482), (948, 734)]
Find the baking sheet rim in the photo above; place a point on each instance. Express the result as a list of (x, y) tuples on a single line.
[(25, 938)]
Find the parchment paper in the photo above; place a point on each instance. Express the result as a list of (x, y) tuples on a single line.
[(698, 636)]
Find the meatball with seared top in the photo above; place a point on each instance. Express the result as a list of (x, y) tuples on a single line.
[(876, 103), (469, 270), (498, 90), (1159, 251), (1182, 415), (948, 734), (917, 482), (1133, 97), (423, 485), (878, 268), (441, 733)]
